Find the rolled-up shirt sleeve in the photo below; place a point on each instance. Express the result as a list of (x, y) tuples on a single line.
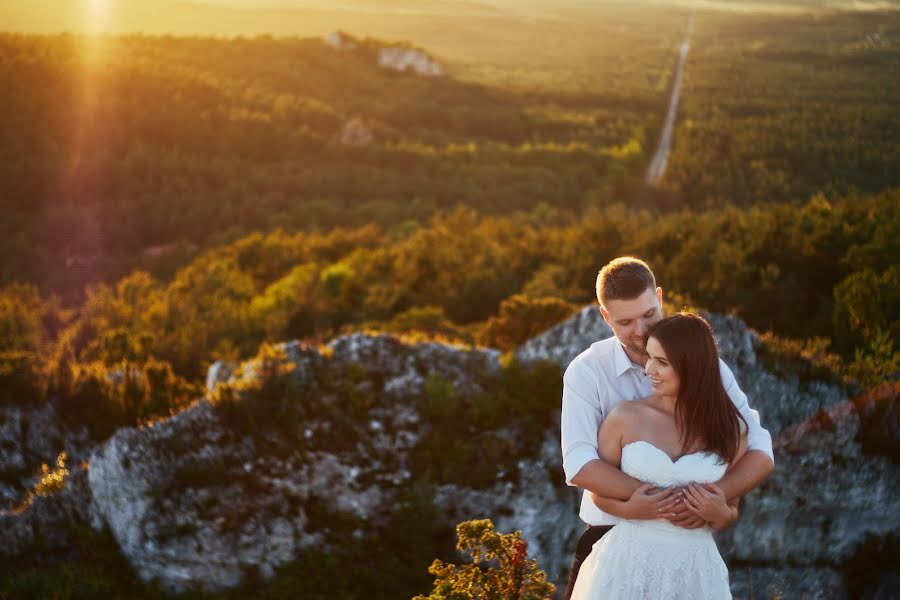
[(758, 438), (580, 422)]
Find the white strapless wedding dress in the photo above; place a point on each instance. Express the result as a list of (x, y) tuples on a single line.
[(642, 560)]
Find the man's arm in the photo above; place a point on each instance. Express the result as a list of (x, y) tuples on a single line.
[(580, 423), (759, 461), (605, 480), (750, 471)]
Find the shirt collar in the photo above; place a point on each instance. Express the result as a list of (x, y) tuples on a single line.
[(622, 362)]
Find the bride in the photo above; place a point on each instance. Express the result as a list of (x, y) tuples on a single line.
[(685, 436)]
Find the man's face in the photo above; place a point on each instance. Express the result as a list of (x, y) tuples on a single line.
[(630, 319)]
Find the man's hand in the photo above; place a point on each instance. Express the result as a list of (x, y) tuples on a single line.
[(647, 502)]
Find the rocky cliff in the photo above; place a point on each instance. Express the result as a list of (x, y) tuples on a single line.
[(205, 499)]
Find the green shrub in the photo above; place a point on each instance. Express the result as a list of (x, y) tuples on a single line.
[(22, 381), (271, 399), (93, 569), (501, 569), (809, 360), (103, 398), (474, 440), (522, 318), (53, 479)]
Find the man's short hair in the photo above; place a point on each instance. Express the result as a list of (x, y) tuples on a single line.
[(624, 278)]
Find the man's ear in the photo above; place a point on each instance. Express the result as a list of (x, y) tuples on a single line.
[(605, 315), (659, 297)]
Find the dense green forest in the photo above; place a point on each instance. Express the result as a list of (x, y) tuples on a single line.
[(824, 270), (781, 109), (115, 145)]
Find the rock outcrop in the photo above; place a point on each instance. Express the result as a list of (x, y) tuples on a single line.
[(826, 501), (355, 133), (30, 437), (340, 41), (403, 59), (194, 502)]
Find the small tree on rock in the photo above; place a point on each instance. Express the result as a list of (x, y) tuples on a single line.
[(501, 569)]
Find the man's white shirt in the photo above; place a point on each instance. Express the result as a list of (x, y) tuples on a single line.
[(597, 381)]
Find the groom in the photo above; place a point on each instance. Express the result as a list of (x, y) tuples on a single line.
[(611, 371)]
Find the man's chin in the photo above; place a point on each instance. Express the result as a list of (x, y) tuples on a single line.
[(637, 350)]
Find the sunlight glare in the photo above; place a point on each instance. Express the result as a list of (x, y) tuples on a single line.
[(97, 15)]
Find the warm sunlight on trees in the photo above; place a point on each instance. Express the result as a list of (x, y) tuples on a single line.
[(501, 569)]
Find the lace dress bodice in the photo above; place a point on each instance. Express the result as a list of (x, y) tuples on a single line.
[(645, 560), (644, 461)]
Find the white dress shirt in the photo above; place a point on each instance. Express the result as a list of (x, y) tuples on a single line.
[(596, 381)]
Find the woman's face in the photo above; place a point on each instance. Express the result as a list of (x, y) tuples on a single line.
[(662, 374)]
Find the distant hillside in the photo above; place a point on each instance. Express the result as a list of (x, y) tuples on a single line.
[(119, 152), (113, 147)]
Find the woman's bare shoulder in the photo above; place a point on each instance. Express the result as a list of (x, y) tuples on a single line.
[(629, 410)]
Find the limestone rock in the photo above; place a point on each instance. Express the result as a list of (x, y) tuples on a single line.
[(175, 496), (340, 41), (403, 59), (355, 133), (48, 519), (192, 502), (30, 437), (824, 500)]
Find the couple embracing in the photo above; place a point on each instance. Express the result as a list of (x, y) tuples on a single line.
[(663, 441)]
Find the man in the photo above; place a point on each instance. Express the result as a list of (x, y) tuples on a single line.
[(612, 371)]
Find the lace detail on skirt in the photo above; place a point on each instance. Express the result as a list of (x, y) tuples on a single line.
[(643, 560)]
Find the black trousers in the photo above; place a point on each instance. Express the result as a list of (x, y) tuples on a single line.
[(585, 543)]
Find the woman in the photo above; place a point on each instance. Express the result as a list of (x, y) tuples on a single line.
[(685, 436)]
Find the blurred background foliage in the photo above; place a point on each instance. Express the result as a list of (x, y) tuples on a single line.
[(821, 272)]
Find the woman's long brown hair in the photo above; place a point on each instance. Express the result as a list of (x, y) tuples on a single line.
[(704, 414)]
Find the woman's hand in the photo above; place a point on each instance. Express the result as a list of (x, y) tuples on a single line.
[(708, 501), (647, 502)]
